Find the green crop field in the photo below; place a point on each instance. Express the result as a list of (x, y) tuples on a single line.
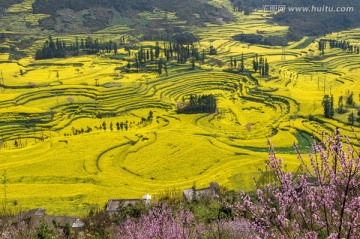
[(50, 159)]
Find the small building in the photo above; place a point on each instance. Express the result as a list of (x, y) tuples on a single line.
[(26, 216), (205, 193), (34, 218), (58, 221), (78, 224), (311, 182), (114, 205)]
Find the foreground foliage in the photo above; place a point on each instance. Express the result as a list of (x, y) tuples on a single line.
[(323, 202)]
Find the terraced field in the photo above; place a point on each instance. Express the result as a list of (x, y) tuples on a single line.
[(62, 146)]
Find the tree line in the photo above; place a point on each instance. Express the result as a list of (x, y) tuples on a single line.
[(169, 51), (197, 104), (59, 48), (344, 103), (238, 65), (163, 53), (344, 45), (261, 64), (262, 40)]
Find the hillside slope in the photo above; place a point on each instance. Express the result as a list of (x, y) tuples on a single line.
[(314, 22), (4, 4), (96, 14)]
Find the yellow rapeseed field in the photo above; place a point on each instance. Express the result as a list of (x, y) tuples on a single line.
[(62, 148)]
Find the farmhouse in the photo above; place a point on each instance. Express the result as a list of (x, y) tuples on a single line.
[(35, 217), (114, 205), (211, 192), (311, 182), (26, 216)]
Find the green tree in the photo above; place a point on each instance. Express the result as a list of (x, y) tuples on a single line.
[(242, 63), (341, 104), (160, 66), (150, 116), (152, 54), (255, 65), (350, 99), (157, 50), (331, 107), (327, 106), (351, 118), (137, 64), (115, 48), (266, 68), (212, 51), (166, 69)]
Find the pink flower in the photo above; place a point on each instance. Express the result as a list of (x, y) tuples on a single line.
[(322, 201)]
